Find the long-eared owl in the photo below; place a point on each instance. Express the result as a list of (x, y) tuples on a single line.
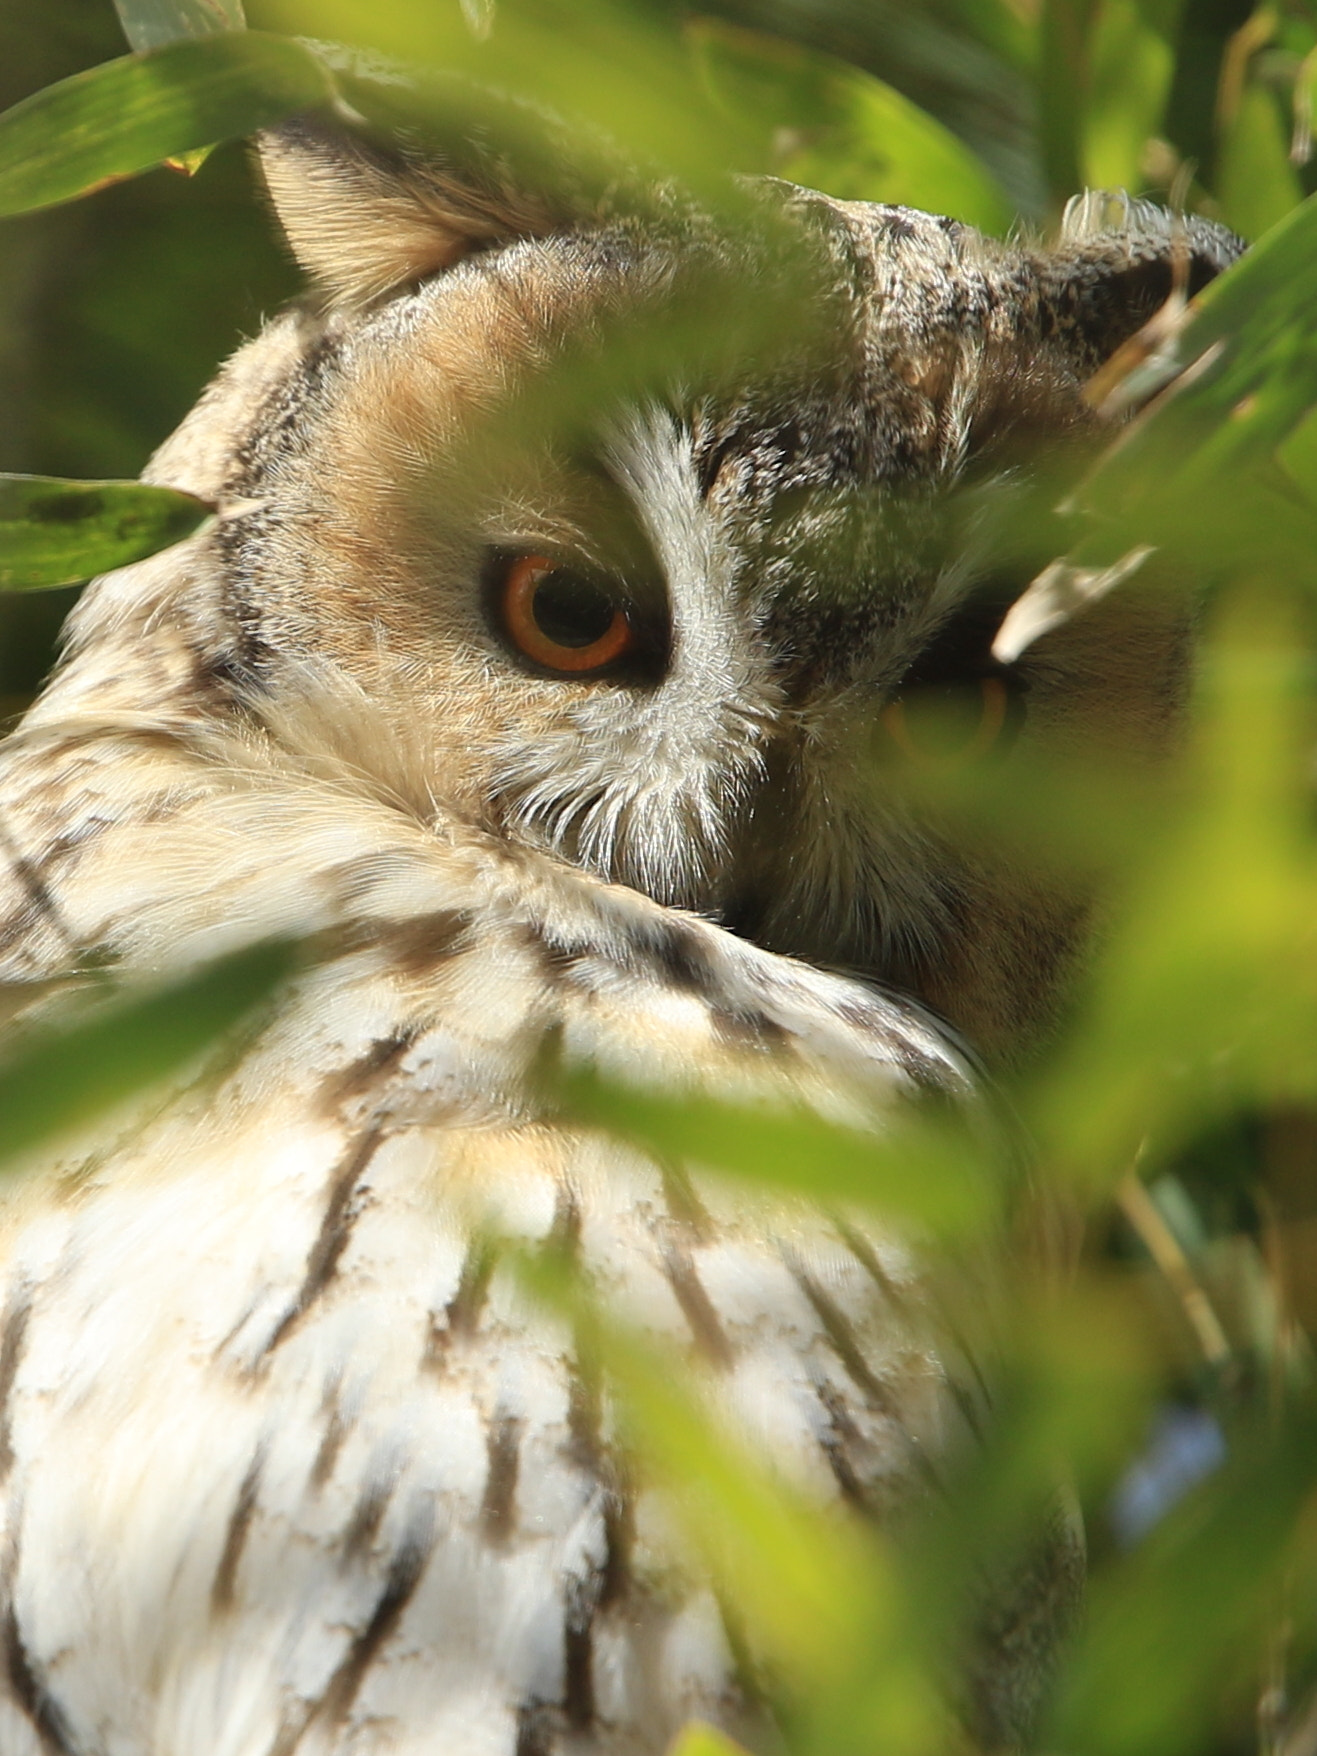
[(550, 670)]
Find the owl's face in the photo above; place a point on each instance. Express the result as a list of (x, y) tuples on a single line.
[(712, 632)]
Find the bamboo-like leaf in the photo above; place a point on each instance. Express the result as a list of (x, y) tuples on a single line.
[(701, 1739), (1251, 377), (56, 532), (1132, 64), (831, 126), (125, 116), (1183, 1618), (924, 1170), (64, 1079), (150, 24)]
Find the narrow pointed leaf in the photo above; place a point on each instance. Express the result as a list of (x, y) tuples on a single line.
[(56, 532), (150, 24), (701, 1739), (127, 115), (924, 1170), (65, 1078)]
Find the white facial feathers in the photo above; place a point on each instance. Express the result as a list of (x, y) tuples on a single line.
[(638, 783)]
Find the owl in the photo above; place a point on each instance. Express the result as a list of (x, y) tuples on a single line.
[(554, 674)]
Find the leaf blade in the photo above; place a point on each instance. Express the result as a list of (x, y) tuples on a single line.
[(55, 532), (126, 116), (66, 1078)]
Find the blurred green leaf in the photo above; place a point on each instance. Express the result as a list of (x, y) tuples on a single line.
[(925, 1170), (1258, 184), (832, 127), (60, 1080), (1180, 1625), (55, 532), (1131, 65), (1062, 47), (613, 66), (1207, 996), (150, 24), (1251, 354), (699, 1739), (128, 115)]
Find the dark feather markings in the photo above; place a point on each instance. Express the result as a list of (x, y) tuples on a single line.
[(359, 1078), (498, 1510), (461, 1314), (235, 1537), (29, 1693), (845, 1343), (335, 1702), (697, 1307), (535, 1730), (335, 1229), (11, 1354)]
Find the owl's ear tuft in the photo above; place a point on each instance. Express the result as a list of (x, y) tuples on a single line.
[(1117, 261), (365, 218)]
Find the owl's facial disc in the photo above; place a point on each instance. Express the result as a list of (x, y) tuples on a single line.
[(705, 641)]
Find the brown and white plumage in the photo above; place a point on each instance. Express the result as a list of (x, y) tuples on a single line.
[(289, 1464)]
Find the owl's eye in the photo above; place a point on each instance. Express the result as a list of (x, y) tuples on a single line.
[(559, 617), (940, 724)]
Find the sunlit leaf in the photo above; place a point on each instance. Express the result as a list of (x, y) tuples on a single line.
[(1131, 68), (55, 532), (699, 1739), (831, 127), (128, 115), (1251, 359), (150, 24), (1259, 185), (609, 65), (61, 1080), (922, 1170), (1207, 995)]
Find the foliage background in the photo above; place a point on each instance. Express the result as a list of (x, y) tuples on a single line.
[(1173, 1370)]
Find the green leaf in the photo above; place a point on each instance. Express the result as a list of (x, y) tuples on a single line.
[(1171, 1627), (55, 532), (64, 1079), (1235, 407), (150, 24), (830, 126), (922, 1169), (126, 116), (1131, 71), (1064, 44), (699, 1739), (1258, 184), (606, 66)]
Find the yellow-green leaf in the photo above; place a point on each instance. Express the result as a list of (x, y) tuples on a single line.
[(65, 1078), (700, 1739), (127, 115), (831, 126), (150, 24), (57, 532), (1258, 184)]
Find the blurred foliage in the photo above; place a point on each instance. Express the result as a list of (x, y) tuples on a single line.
[(55, 532), (1175, 1116)]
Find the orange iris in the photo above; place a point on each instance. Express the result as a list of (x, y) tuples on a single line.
[(561, 619)]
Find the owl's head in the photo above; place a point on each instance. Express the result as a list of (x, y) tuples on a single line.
[(662, 540)]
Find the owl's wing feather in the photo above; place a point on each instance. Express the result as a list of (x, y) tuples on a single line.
[(353, 1488)]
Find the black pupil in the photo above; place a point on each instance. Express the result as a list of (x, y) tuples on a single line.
[(571, 610)]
